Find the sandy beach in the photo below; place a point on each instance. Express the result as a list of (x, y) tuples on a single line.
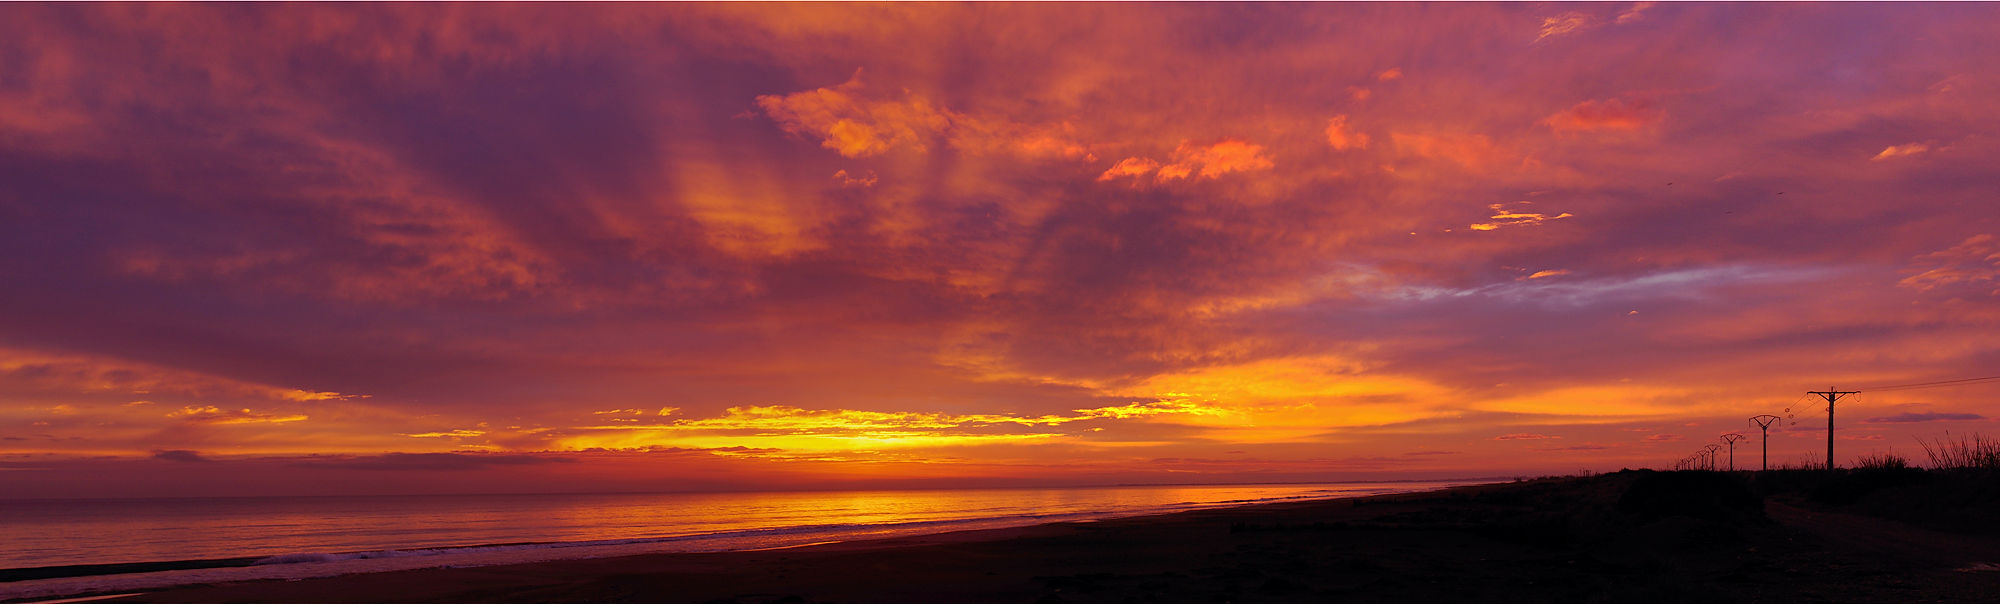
[(1625, 537)]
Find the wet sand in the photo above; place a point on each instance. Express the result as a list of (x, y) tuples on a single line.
[(1628, 537)]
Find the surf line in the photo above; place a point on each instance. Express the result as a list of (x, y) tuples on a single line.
[(766, 549), (87, 598)]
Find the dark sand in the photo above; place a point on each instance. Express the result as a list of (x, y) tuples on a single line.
[(1627, 537)]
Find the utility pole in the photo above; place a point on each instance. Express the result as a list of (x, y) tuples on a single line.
[(1731, 438), (1764, 424), (1831, 395), (1711, 449)]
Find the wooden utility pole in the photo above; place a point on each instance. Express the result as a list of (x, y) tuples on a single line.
[(1831, 395), (1731, 438), (1764, 425)]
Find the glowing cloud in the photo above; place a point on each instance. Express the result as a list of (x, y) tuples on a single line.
[(1220, 158), (1476, 152), (1130, 167), (863, 180), (1191, 160), (1504, 217), (852, 122), (84, 374), (1972, 262), (856, 126), (1903, 150), (1563, 24), (1635, 14), (1342, 139), (209, 414), (1619, 115)]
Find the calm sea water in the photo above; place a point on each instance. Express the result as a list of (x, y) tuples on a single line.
[(314, 536)]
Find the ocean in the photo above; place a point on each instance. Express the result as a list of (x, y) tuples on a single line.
[(60, 547)]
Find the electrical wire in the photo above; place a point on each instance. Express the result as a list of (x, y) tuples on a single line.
[(1937, 384)]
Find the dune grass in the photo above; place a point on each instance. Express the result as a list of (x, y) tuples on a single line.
[(1963, 452)]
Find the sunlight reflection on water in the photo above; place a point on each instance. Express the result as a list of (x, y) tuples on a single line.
[(49, 533)]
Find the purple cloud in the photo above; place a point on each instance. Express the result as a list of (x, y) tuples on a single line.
[(1928, 416)]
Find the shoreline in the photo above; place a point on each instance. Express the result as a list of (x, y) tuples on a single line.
[(903, 489), (85, 580), (1641, 536), (1635, 535)]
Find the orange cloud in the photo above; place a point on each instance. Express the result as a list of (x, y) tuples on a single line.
[(1903, 150), (1634, 14), (848, 121), (1392, 73), (449, 434), (78, 374), (209, 414), (1338, 136), (1503, 217), (1130, 167), (854, 126), (1606, 115), (788, 428), (1473, 151), (998, 136), (1974, 261), (1563, 24), (1223, 158), (864, 180), (1195, 161)]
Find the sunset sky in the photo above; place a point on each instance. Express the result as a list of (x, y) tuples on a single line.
[(298, 249)]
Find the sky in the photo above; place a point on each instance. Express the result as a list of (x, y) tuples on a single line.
[(413, 248)]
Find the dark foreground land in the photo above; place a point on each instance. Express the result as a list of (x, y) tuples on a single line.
[(1624, 537)]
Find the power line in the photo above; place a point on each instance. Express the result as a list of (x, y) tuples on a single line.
[(1933, 384), (1830, 395)]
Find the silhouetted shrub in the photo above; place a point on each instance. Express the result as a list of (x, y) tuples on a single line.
[(1973, 452), (1881, 461), (1704, 495), (1850, 486)]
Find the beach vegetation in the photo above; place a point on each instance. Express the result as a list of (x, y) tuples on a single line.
[(1963, 452)]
